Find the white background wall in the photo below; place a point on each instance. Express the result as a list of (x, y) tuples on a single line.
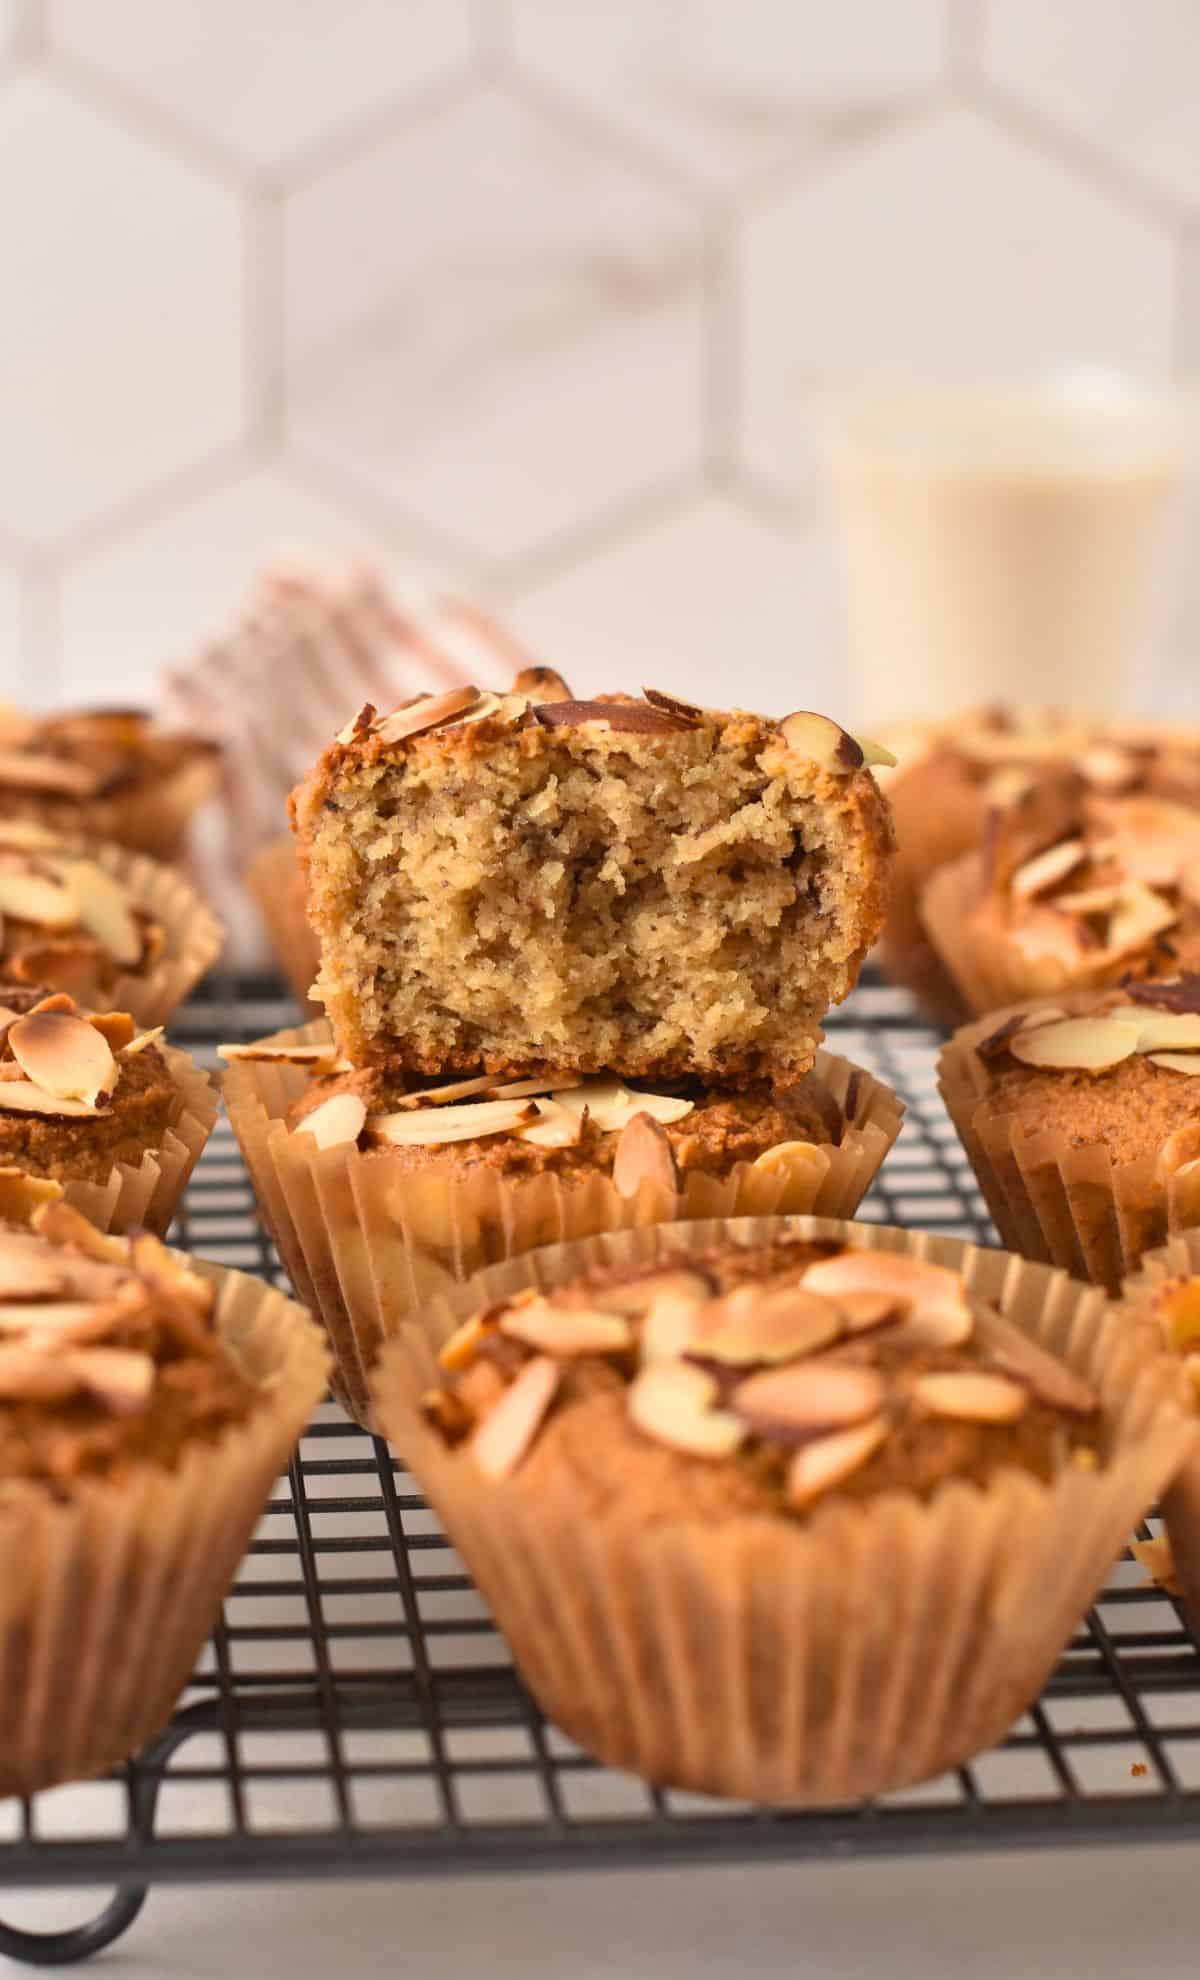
[(535, 297)]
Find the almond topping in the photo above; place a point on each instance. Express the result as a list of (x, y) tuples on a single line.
[(290, 1055), (1164, 1031), (864, 1312), (140, 1043), (567, 1330), (555, 1127), (25, 1270), (359, 725), (427, 713), (1088, 1044), (32, 897), (541, 684), (63, 1224), (820, 741), (638, 1296), (808, 1399), (103, 908), (50, 1318), (971, 1398), (669, 1328), (1046, 869), (633, 717), (875, 756), (21, 1195), (789, 1157), (21, 1096), (1131, 915), (671, 1402), (120, 1378), (644, 1155), (26, 770), (1180, 1062), (116, 1028), (1106, 768), (502, 1440), (937, 1314), (340, 1118), (65, 1056), (612, 1106), (819, 1466), (1050, 1379), (685, 710), (764, 1323), (28, 1375), (430, 1127)]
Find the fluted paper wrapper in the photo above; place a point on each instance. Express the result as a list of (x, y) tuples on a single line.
[(986, 964), (1050, 1200), (194, 938), (155, 818), (107, 1599), (274, 882), (1180, 1259), (147, 1195), (867, 1648), (366, 1243)]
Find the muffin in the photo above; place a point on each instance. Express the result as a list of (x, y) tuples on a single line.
[(1166, 1293), (1070, 890), (107, 926), (145, 1412), (95, 1111), (379, 1194), (635, 887), (954, 776), (105, 773), (1082, 1121), (275, 883), (783, 1508)]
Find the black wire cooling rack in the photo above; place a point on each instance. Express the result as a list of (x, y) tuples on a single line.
[(356, 1711)]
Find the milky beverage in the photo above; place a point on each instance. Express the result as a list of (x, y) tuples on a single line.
[(999, 545)]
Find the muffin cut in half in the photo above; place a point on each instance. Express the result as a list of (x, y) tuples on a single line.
[(638, 887)]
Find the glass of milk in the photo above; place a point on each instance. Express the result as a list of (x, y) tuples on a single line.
[(1001, 542)]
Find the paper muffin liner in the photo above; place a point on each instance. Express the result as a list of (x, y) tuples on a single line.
[(867, 1648), (155, 817), (107, 1598), (1179, 1259), (194, 938), (366, 1243), (986, 964), (274, 883), (147, 1195), (1049, 1200)]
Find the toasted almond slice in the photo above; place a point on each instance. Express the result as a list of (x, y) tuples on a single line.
[(29, 1375), (820, 741), (541, 684), (936, 1311), (1018, 1354), (58, 1000), (687, 711), (460, 1349), (567, 1330), (504, 1436), (103, 908), (971, 1397), (509, 707), (765, 1323), (1107, 768), (27, 1269), (140, 1043), (555, 1127), (865, 1312), (120, 1378), (48, 1317), (28, 770), (612, 1106), (427, 713), (169, 1275), (21, 1096), (630, 717), (65, 1056), (1180, 1062), (1086, 1044), (1165, 1031), (827, 1462), (340, 1118), (63, 1224), (790, 1157), (36, 898), (25, 835), (290, 1055), (359, 725), (875, 756), (68, 961), (21, 1195), (644, 1155), (429, 1127), (1132, 913), (671, 1402), (117, 1028), (808, 1398), (483, 1084), (1047, 868), (669, 1327), (638, 1296)]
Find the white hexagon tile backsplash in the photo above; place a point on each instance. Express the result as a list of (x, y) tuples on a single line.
[(543, 298)]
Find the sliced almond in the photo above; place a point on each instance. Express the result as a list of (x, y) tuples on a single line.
[(866, 1312), (502, 1440), (644, 1156), (34, 897), (1047, 868), (1165, 1031), (430, 1127), (555, 1127), (359, 724), (875, 756), (612, 1106), (827, 1462), (25, 835), (808, 1399), (463, 1344), (47, 1317), (936, 1311), (818, 740), (1107, 768), (508, 707), (1132, 914), (567, 1330), (765, 1323), (790, 1157), (1086, 1044), (117, 1028), (140, 1043), (103, 908), (29, 1269), (27, 770), (637, 1296), (21, 1096), (427, 713), (339, 1119), (120, 1378), (61, 1223), (632, 717), (64, 962), (969, 1397), (671, 1322), (685, 710), (482, 1084), (21, 1195), (672, 1403), (541, 684), (65, 1056), (289, 1055), (28, 1375), (1050, 1379), (1180, 1062)]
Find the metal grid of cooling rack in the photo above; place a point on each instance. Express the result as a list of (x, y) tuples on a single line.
[(356, 1710)]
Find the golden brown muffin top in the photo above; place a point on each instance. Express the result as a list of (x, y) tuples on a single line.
[(109, 1355), (757, 1379), (1003, 752), (63, 916), (79, 756), (79, 1090), (1119, 1066)]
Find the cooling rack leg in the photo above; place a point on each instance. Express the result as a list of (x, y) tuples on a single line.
[(68, 1948)]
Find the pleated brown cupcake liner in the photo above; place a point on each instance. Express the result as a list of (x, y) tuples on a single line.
[(989, 968), (1178, 1259), (366, 1242), (147, 1194), (1065, 1205), (274, 883), (870, 1647), (107, 1597), (194, 939)]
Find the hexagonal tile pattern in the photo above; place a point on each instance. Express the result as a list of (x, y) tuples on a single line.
[(723, 90), (266, 80), (508, 358), (946, 249), (710, 603), (1123, 74), (154, 597), (120, 340)]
